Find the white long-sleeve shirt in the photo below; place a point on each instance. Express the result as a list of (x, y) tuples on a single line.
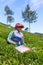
[(16, 33)]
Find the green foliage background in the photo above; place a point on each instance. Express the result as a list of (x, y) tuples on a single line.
[(10, 56)]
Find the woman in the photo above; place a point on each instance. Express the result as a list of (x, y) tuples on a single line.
[(16, 37)]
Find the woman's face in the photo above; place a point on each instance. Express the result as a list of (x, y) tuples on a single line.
[(19, 29)]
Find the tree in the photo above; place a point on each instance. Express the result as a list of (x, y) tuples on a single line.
[(29, 15), (9, 14)]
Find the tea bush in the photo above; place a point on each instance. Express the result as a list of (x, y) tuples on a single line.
[(10, 56)]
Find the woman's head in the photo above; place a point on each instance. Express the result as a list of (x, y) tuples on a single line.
[(19, 26)]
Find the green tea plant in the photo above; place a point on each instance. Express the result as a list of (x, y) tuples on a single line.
[(10, 56)]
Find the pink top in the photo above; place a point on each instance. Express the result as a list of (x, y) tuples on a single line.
[(19, 34)]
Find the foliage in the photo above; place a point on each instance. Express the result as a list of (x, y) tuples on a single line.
[(26, 29), (10, 56), (8, 10), (10, 19)]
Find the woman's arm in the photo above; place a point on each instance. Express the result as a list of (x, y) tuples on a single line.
[(14, 39)]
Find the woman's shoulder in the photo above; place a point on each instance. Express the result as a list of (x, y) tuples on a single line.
[(11, 32)]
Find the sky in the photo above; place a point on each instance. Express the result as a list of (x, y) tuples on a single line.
[(17, 7)]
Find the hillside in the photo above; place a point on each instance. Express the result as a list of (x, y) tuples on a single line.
[(10, 56)]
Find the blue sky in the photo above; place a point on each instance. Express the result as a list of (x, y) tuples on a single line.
[(18, 6)]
